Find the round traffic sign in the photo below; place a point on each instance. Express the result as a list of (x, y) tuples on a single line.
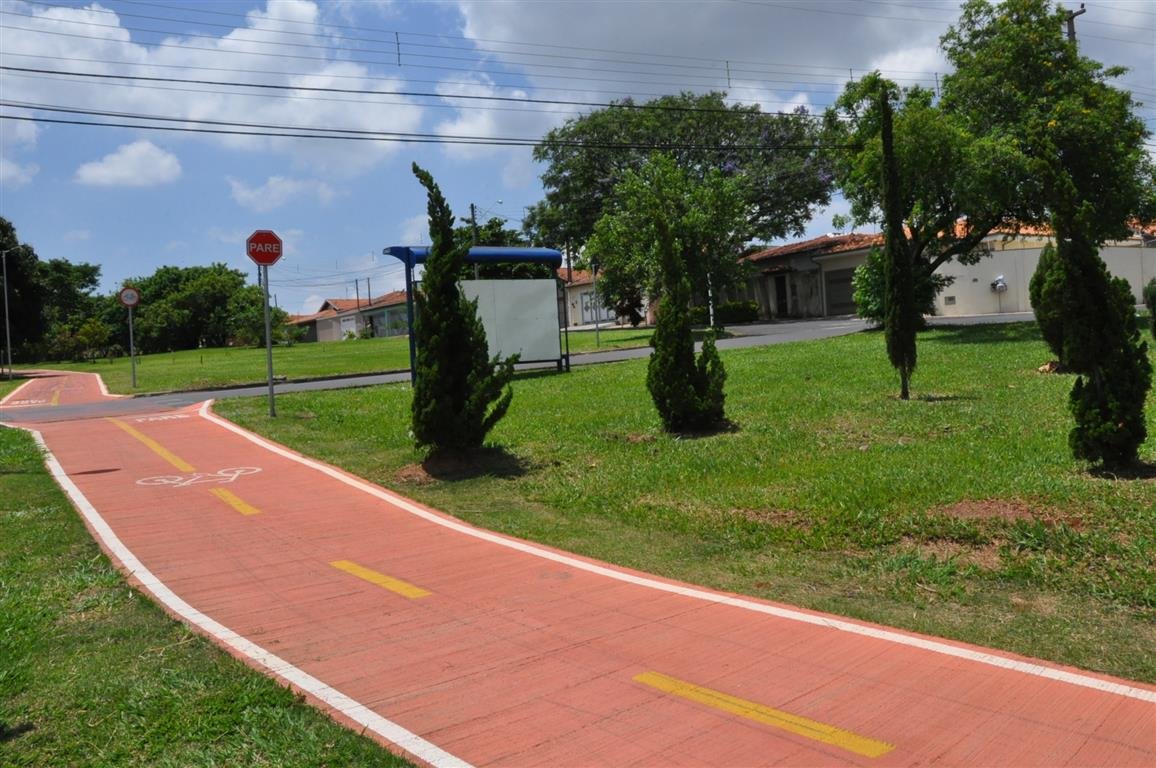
[(263, 247), (129, 296)]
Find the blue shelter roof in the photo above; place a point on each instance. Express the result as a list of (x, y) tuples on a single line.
[(480, 254)]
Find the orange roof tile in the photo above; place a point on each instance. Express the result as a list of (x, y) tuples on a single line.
[(819, 246), (577, 276)]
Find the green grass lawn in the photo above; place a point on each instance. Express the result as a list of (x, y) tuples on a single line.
[(94, 674), (207, 368), (959, 513)]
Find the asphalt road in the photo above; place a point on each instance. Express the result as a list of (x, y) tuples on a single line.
[(757, 335)]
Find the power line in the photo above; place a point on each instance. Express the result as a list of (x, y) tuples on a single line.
[(812, 85), (716, 69), (364, 91), (282, 73), (347, 134)]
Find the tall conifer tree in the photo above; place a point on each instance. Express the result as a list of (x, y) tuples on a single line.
[(459, 393)]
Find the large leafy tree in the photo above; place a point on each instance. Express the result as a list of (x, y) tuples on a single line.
[(46, 299), (459, 392), (186, 307), (246, 317), (783, 175), (948, 174), (709, 219), (666, 216), (1089, 174), (1017, 76), (494, 232)]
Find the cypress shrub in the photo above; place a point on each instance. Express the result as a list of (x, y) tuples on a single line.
[(1045, 291), (900, 313), (687, 393), (459, 393), (1150, 302), (1102, 343)]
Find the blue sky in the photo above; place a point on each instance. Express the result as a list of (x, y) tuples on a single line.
[(132, 200)]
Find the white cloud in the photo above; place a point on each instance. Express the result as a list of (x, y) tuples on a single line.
[(13, 174), (277, 191), (415, 230), (310, 304), (290, 27), (76, 236), (906, 65), (227, 236), (471, 121), (140, 164)]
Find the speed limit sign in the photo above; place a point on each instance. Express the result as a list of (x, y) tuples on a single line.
[(129, 296)]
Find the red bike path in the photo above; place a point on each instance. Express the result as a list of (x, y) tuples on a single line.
[(458, 646)]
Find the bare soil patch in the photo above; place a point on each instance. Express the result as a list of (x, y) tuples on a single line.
[(1053, 366), (992, 509), (449, 466), (985, 556), (414, 474), (784, 518)]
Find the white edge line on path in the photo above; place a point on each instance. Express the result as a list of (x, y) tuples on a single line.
[(103, 387), (12, 395), (990, 659), (356, 711)]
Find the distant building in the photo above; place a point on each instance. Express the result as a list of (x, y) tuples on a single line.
[(812, 278), (339, 319)]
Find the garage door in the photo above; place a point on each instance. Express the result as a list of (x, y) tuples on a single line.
[(839, 293)]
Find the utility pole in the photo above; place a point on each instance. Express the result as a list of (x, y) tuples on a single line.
[(7, 325), (1072, 22), (474, 228)]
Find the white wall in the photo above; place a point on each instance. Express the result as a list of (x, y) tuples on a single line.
[(972, 288)]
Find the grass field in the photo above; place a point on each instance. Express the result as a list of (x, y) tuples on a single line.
[(94, 674), (207, 368), (959, 513)]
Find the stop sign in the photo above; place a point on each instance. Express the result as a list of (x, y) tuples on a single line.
[(264, 247)]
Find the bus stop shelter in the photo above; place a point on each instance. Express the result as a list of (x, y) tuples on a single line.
[(514, 312)]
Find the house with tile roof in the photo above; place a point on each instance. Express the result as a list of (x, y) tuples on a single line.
[(582, 305), (812, 278), (338, 319), (809, 278)]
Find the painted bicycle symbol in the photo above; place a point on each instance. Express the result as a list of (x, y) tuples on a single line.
[(220, 477)]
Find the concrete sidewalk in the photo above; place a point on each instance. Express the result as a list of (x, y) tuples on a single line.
[(458, 646)]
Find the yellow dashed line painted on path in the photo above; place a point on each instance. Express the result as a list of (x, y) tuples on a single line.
[(380, 579), (230, 498), (156, 447), (811, 729)]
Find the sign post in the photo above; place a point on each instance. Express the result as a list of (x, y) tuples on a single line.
[(130, 297), (264, 248)]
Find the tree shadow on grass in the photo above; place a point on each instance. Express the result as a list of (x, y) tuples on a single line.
[(932, 397), (488, 461), (1140, 471), (725, 427), (8, 733), (986, 334), (526, 374)]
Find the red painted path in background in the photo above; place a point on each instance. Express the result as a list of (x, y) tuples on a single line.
[(460, 646)]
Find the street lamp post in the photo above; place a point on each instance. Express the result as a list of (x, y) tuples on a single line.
[(7, 325)]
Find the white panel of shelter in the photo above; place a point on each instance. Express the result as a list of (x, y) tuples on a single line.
[(520, 316)]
